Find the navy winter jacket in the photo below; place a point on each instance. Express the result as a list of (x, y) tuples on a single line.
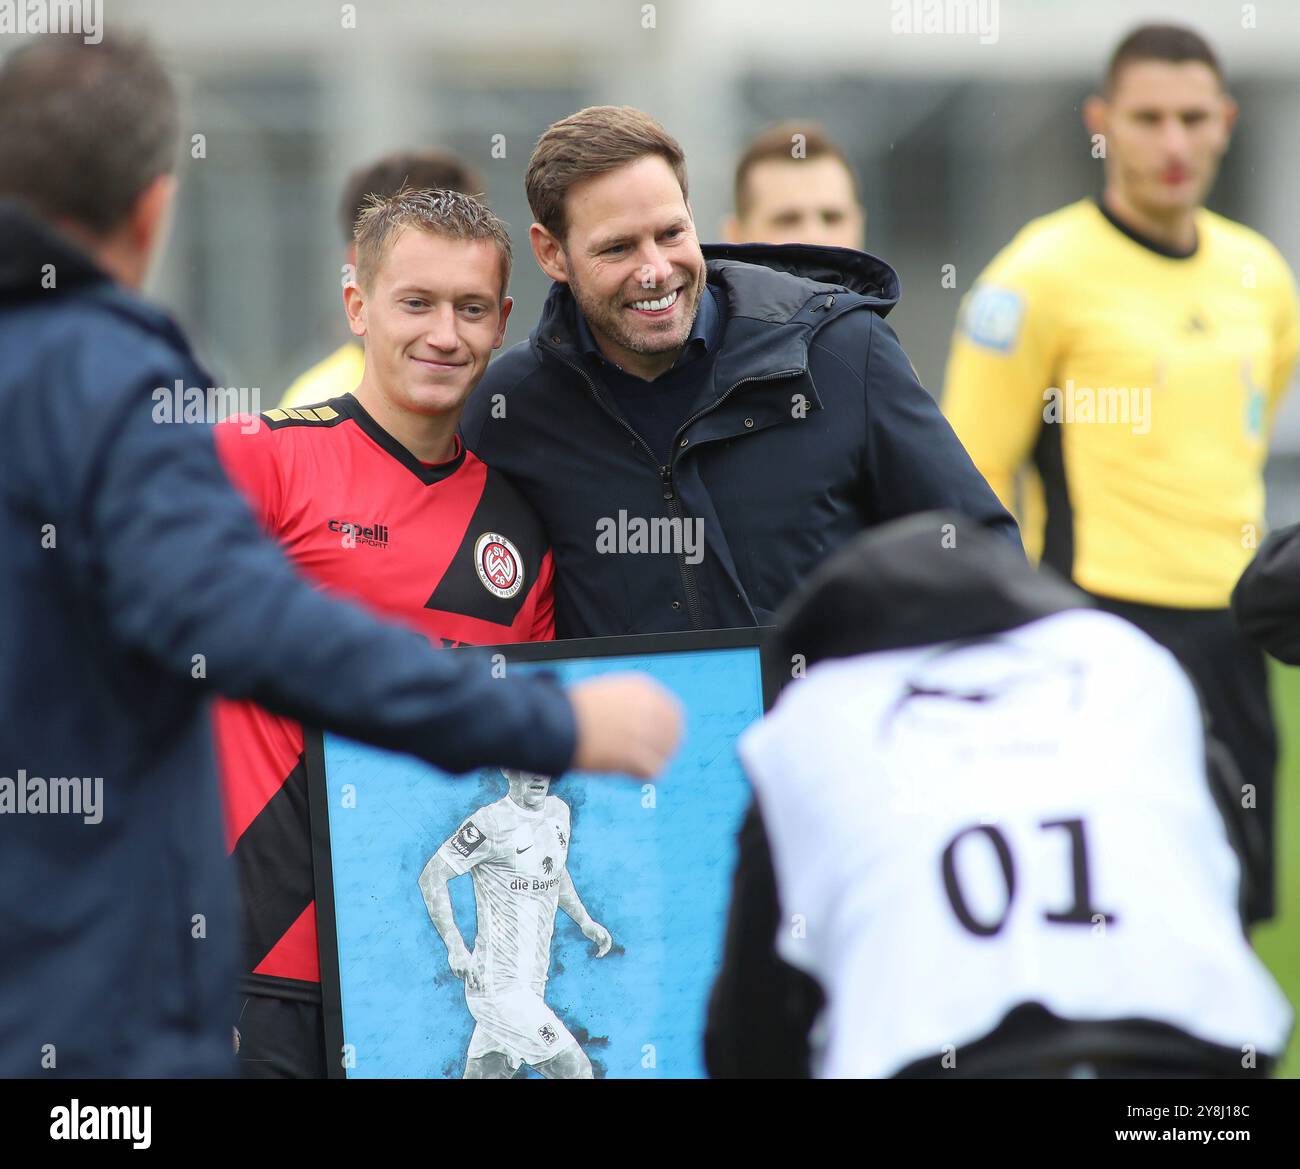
[(130, 565), (813, 428)]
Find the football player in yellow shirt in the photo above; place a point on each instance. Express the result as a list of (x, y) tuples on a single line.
[(1133, 350), (340, 372)]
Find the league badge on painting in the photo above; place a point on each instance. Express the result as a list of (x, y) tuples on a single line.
[(467, 839), (499, 565)]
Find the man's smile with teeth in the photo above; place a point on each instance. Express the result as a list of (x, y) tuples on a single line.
[(657, 305)]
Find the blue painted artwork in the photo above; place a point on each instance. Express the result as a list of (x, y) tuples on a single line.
[(649, 865)]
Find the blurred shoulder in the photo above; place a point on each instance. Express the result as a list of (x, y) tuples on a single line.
[(339, 373), (1048, 245), (1244, 244)]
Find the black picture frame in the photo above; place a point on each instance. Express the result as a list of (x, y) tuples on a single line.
[(774, 676)]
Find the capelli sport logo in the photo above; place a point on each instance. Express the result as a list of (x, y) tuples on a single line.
[(356, 535)]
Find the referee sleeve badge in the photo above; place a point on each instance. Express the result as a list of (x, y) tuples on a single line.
[(993, 316)]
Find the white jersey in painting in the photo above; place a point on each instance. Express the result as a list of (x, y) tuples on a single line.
[(959, 829), (517, 858)]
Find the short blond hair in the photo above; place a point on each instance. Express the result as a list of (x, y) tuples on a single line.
[(450, 214)]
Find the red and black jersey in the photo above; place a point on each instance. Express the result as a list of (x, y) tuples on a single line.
[(450, 549)]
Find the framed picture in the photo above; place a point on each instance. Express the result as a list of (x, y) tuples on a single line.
[(499, 923)]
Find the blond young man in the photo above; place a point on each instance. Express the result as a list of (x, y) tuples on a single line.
[(373, 496)]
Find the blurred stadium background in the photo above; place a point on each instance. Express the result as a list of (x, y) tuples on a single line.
[(957, 142)]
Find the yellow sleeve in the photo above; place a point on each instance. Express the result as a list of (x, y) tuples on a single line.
[(1286, 338), (340, 373), (1002, 359)]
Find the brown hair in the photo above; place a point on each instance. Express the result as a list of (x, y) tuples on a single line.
[(85, 128), (1174, 43), (776, 144), (417, 170), (450, 214), (587, 144)]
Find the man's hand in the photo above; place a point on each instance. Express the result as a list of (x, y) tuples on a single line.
[(464, 967), (626, 723), (598, 934)]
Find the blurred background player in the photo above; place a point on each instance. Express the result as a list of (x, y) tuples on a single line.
[(138, 585), (794, 185), (983, 773), (340, 372), (373, 496), (518, 852), (1169, 334)]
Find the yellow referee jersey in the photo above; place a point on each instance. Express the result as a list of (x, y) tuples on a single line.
[(340, 373), (1141, 385)]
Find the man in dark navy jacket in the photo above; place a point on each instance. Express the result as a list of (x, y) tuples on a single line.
[(135, 582), (699, 428)]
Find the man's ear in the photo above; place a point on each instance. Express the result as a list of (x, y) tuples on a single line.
[(549, 253), (1230, 111), (146, 222), (506, 305), (731, 230), (1095, 113), (354, 302)]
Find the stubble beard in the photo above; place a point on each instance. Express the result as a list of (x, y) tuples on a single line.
[(607, 318)]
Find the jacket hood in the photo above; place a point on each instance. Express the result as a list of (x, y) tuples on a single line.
[(916, 582), (28, 244), (777, 297), (826, 269)]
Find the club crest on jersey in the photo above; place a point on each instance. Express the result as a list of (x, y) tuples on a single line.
[(499, 565)]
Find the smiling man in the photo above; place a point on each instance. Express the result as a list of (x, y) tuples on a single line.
[(748, 393), (1135, 349)]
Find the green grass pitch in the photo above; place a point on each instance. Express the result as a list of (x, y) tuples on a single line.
[(1278, 943)]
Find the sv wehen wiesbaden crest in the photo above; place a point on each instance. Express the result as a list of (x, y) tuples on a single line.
[(499, 565)]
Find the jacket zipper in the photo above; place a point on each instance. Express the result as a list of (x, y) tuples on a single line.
[(670, 496)]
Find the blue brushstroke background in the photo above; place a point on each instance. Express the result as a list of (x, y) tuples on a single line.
[(657, 878)]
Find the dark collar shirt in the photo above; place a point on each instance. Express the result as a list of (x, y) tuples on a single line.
[(656, 409)]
